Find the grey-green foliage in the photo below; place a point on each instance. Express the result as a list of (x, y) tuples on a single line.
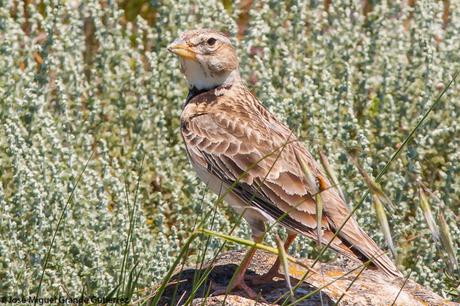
[(76, 78)]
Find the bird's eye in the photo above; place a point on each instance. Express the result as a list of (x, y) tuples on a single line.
[(211, 41)]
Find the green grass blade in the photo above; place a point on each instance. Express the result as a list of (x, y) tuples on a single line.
[(331, 174), (252, 244), (447, 244), (351, 284), (400, 289), (112, 292), (284, 266), (429, 218), (319, 218), (61, 217), (383, 221), (132, 220)]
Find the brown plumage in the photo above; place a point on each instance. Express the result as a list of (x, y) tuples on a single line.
[(232, 139)]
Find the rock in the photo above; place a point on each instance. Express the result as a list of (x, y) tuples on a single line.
[(370, 288), (233, 300)]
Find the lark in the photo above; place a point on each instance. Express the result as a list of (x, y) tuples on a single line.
[(239, 149)]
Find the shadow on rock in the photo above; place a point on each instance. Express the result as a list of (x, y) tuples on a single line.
[(182, 284)]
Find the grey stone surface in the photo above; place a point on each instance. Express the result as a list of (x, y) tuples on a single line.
[(371, 288)]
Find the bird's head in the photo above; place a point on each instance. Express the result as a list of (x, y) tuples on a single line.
[(207, 58)]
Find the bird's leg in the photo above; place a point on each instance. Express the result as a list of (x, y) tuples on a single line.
[(237, 281), (273, 272)]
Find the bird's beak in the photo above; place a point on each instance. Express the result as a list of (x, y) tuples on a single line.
[(180, 48)]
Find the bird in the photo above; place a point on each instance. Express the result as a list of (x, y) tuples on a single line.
[(235, 144)]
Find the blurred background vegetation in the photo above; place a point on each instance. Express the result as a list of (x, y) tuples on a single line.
[(91, 83)]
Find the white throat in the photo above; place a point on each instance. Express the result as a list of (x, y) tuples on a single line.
[(200, 77)]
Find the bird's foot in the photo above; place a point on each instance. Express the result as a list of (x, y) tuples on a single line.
[(238, 284)]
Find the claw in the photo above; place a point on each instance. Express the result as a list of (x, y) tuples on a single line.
[(241, 284)]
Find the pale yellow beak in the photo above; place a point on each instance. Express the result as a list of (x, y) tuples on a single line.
[(180, 48)]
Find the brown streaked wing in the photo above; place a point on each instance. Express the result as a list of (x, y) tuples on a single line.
[(236, 142)]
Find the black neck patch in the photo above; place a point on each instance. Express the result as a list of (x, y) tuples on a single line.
[(193, 92)]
